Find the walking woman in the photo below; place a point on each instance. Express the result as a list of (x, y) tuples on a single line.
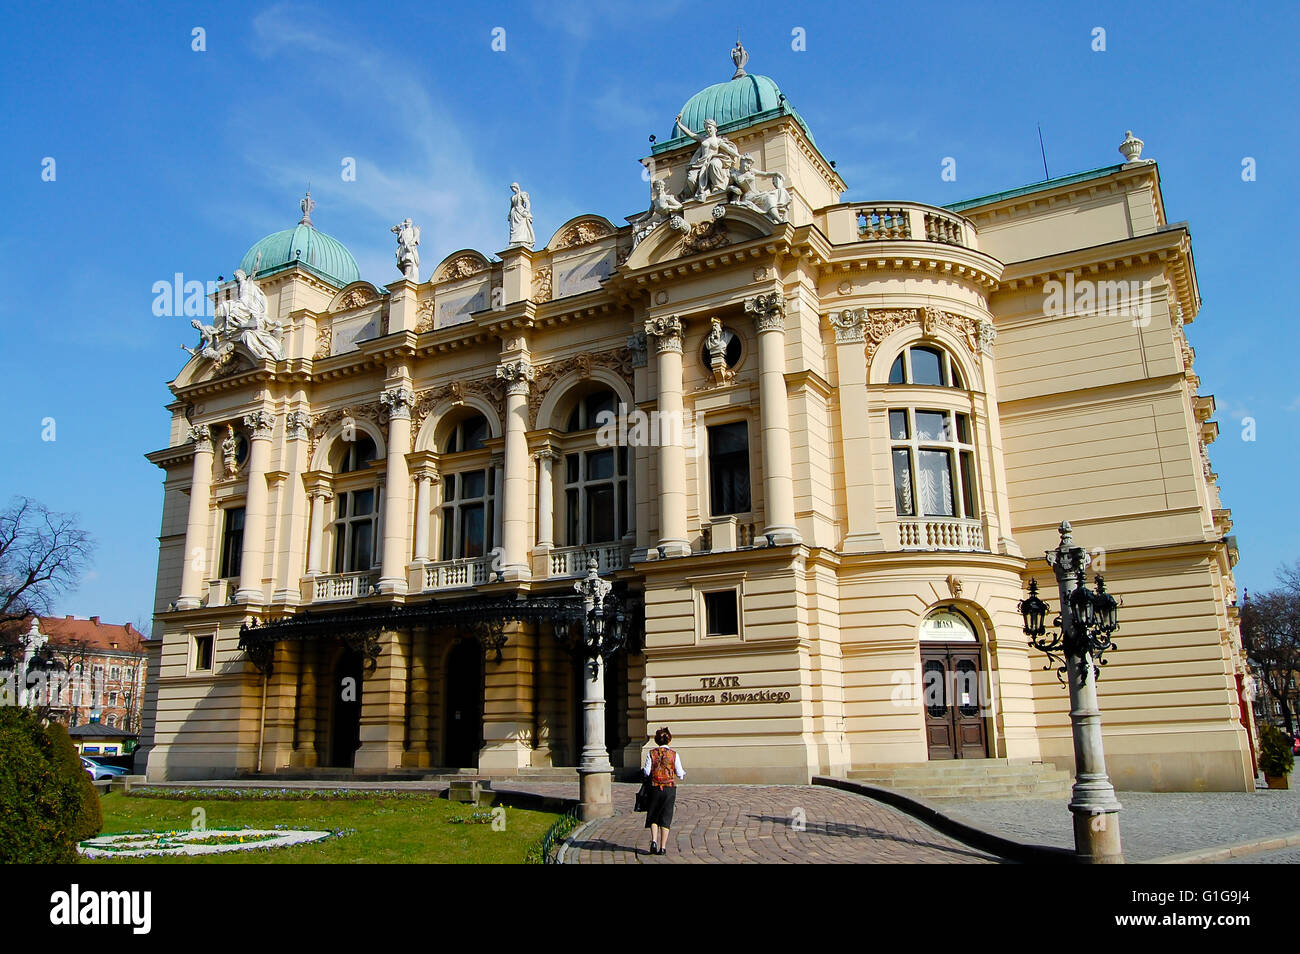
[(662, 767)]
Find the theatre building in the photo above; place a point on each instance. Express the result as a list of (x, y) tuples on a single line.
[(818, 448)]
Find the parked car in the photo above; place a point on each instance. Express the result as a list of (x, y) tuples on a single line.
[(100, 772)]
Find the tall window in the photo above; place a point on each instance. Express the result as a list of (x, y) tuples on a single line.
[(729, 468), (922, 365), (595, 492), (467, 516), (595, 479), (232, 542), (356, 527), (468, 490), (934, 463)]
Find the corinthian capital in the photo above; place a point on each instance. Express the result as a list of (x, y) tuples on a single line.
[(201, 436), (850, 325), (985, 335), (768, 311), (516, 374), (398, 401), (667, 333), (297, 425), (260, 424)]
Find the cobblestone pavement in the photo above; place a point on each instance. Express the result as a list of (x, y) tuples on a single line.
[(1152, 824), (757, 824)]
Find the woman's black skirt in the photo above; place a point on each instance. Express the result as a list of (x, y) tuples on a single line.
[(660, 810)]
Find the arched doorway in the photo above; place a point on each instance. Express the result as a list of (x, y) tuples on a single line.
[(464, 715), (953, 692), (345, 709)]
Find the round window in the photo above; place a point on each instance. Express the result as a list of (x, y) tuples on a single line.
[(723, 341)]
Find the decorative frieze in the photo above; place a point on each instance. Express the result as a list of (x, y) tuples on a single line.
[(260, 425), (619, 360), (541, 285), (375, 413), (324, 342), (583, 233), (978, 333), (424, 317), (705, 236), (354, 298), (463, 266), (398, 401), (768, 311), (457, 391)]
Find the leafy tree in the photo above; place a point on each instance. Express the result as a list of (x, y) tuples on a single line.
[(1270, 633)]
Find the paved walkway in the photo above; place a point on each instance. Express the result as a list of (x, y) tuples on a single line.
[(768, 824), (1152, 824)]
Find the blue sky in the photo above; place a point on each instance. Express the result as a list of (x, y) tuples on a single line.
[(170, 160)]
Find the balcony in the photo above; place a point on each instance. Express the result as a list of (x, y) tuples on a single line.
[(900, 222), (940, 533), (452, 574), (342, 586), (572, 561)]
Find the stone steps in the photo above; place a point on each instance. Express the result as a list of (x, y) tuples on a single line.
[(967, 778)]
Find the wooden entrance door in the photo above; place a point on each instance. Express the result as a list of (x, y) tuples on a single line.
[(345, 710), (952, 694), (464, 712)]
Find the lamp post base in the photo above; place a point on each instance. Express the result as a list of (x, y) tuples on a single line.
[(595, 793), (1096, 838)]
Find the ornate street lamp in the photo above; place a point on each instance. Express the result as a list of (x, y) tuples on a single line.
[(1086, 625), (604, 631)]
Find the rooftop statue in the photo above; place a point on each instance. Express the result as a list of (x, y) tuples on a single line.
[(408, 249), (664, 207), (241, 320), (521, 217), (711, 164), (742, 189)]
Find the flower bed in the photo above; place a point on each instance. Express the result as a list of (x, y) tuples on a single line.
[(200, 842)]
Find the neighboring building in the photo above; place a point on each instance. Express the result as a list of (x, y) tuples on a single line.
[(96, 738), (104, 665), (897, 405)]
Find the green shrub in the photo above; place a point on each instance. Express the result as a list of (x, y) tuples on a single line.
[(45, 806), (1275, 755), (90, 819)]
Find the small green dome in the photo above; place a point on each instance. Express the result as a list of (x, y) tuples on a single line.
[(303, 244), (741, 101)]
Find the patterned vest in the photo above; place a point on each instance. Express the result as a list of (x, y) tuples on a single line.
[(663, 767)]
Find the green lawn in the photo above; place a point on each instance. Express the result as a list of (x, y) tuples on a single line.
[(381, 830)]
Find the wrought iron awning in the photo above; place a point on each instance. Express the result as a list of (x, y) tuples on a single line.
[(483, 617)]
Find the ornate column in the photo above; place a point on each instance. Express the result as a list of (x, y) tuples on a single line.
[(422, 481), (546, 458), (294, 510), (260, 425), (397, 488), (514, 509), (196, 526), (667, 333), (862, 528), (774, 413), (320, 494)]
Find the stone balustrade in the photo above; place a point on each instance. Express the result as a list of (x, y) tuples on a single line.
[(940, 533)]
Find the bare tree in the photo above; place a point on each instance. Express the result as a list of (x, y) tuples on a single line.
[(1270, 634), (42, 554)]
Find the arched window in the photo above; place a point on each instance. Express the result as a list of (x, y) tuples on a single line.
[(595, 477), (355, 455), (356, 505), (468, 490), (927, 365), (586, 412)]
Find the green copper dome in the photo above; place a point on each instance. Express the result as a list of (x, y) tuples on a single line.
[(743, 100), (303, 245)]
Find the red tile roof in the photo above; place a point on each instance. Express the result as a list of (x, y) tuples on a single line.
[(109, 637)]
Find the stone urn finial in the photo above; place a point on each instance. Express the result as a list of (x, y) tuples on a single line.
[(1131, 147)]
